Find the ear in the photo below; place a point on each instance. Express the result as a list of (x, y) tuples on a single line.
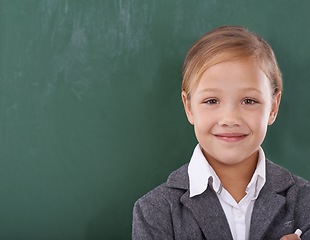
[(187, 107), (274, 108)]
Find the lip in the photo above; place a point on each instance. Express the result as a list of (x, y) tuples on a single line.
[(230, 137)]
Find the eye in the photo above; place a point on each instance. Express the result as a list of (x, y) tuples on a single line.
[(249, 101), (212, 101)]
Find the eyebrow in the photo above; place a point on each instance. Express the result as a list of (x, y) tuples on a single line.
[(209, 90)]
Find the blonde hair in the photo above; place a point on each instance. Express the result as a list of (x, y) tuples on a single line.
[(228, 43)]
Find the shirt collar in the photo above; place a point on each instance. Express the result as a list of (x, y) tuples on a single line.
[(259, 177), (200, 172)]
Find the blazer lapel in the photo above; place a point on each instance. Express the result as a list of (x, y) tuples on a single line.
[(209, 214), (269, 202), (266, 207)]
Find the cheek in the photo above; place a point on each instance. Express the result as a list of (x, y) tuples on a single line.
[(204, 121), (255, 119), (260, 124)]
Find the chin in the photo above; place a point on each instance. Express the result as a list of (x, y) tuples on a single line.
[(231, 158)]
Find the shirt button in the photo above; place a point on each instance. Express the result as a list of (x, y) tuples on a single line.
[(238, 213)]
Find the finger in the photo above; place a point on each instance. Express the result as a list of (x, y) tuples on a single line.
[(291, 237)]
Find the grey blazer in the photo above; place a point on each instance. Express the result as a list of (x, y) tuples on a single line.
[(167, 212)]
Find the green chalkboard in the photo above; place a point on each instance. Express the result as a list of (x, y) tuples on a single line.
[(90, 109)]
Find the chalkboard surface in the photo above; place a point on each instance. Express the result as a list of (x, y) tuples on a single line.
[(90, 109)]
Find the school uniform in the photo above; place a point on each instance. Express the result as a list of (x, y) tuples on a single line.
[(169, 212)]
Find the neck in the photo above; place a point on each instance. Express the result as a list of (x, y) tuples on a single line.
[(236, 177)]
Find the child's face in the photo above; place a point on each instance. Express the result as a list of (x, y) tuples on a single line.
[(231, 109)]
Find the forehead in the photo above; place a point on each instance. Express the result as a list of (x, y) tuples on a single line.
[(208, 62), (241, 74), (243, 68)]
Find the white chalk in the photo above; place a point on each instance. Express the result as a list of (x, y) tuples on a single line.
[(298, 232)]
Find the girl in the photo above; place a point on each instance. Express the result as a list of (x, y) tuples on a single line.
[(231, 92)]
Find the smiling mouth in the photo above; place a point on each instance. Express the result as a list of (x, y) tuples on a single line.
[(231, 137)]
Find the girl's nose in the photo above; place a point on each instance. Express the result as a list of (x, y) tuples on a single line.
[(230, 117)]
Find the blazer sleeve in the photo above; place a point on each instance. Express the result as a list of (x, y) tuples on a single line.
[(152, 218), (303, 209)]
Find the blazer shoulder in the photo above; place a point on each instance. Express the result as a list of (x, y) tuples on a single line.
[(152, 212), (281, 178), (301, 181), (303, 190), (179, 178)]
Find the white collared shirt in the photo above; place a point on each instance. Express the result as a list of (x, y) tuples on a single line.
[(237, 214)]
